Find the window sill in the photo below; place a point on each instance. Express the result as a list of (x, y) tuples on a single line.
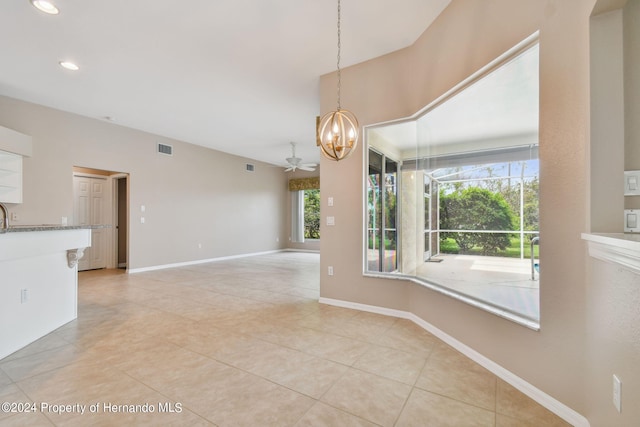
[(482, 305), (618, 248)]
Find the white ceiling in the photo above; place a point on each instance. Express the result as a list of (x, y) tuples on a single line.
[(239, 76)]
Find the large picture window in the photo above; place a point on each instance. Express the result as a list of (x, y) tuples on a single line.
[(311, 213), (453, 201), (305, 209)]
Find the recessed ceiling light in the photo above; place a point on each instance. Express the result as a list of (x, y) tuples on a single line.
[(69, 65), (45, 6)]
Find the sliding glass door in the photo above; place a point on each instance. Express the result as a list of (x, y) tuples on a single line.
[(382, 234)]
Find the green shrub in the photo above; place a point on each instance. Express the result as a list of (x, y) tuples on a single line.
[(476, 209)]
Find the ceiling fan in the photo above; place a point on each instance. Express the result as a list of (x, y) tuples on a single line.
[(296, 162)]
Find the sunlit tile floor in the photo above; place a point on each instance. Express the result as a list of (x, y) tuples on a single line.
[(245, 343)]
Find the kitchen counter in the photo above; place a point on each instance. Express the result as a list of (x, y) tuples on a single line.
[(49, 227), (618, 248), (38, 281)]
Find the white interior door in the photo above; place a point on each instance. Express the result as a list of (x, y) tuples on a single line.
[(98, 241), (89, 209), (81, 212)]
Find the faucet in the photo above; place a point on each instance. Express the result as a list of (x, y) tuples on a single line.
[(5, 221)]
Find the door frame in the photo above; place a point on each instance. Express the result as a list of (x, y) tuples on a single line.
[(115, 206), (111, 251)]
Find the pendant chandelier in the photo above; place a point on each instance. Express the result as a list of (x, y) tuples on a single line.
[(337, 131)]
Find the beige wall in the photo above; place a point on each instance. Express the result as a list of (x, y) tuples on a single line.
[(613, 344), (631, 21), (613, 293), (197, 196), (607, 122), (467, 36)]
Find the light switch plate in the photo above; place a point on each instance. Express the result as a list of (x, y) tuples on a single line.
[(617, 393), (632, 221), (632, 183)]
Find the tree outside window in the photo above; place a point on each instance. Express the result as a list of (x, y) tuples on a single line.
[(312, 214)]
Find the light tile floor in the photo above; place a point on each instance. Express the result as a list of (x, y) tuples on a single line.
[(245, 343)]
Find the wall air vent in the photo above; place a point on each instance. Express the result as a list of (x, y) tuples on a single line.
[(165, 149), (250, 167)]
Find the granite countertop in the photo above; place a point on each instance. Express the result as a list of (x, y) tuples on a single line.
[(49, 227)]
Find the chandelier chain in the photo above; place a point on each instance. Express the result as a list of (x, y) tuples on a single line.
[(338, 59), (337, 131)]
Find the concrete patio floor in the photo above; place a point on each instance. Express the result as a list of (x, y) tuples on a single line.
[(502, 282)]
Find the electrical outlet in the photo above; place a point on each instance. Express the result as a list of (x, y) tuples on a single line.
[(24, 296), (617, 393), (330, 270), (14, 217)]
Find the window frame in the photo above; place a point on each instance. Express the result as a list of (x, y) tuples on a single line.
[(501, 60), (298, 223)]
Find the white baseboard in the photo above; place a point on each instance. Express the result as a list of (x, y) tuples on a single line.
[(199, 261), (309, 251), (553, 405)]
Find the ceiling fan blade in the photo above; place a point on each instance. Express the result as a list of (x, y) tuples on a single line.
[(296, 162)]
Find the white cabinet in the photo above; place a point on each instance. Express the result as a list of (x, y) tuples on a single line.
[(38, 288), (13, 146), (10, 177)]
